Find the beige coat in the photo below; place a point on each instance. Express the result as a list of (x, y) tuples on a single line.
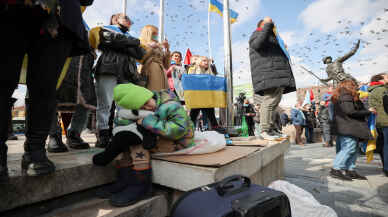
[(155, 61)]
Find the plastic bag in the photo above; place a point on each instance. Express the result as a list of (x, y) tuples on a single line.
[(244, 127), (205, 142), (303, 204)]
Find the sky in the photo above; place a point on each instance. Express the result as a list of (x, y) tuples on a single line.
[(311, 29)]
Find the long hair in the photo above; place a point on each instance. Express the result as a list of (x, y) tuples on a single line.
[(146, 34), (347, 86)]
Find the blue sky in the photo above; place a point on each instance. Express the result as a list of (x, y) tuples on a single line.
[(310, 28)]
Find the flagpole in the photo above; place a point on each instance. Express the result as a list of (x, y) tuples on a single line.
[(228, 64), (208, 32), (125, 7), (161, 21)]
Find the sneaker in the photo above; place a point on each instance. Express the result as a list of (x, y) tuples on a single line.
[(268, 135), (75, 141), (355, 175), (36, 163), (338, 174), (55, 144)]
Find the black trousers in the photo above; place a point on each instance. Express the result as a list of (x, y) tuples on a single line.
[(210, 114), (22, 35)]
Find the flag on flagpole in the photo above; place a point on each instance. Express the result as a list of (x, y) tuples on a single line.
[(311, 95), (187, 57), (218, 7)]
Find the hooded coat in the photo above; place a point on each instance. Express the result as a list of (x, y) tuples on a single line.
[(270, 67), (375, 100)]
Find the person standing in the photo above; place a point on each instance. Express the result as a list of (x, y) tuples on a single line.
[(48, 38), (174, 75), (249, 113), (116, 65), (378, 88), (298, 120), (309, 124), (351, 127), (325, 123), (156, 59), (271, 74)]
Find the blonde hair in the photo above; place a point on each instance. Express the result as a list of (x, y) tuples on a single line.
[(146, 34), (195, 59)]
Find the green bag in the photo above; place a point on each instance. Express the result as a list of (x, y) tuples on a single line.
[(244, 127)]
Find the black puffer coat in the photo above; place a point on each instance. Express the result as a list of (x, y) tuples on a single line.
[(270, 67), (118, 58), (350, 117)]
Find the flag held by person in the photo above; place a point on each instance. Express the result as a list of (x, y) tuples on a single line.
[(204, 91), (218, 7)]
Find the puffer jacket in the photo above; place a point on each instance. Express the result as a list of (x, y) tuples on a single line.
[(375, 100), (350, 117), (119, 54), (170, 120), (270, 67)]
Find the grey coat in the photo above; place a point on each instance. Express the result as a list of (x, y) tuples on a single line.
[(270, 67)]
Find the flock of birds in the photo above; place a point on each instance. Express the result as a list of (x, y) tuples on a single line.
[(184, 23)]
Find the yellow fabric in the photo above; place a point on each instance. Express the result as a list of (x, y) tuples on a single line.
[(23, 71), (63, 72), (205, 99), (371, 146), (94, 37)]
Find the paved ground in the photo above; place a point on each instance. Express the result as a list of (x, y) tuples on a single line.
[(308, 167)]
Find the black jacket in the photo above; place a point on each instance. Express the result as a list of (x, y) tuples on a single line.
[(310, 118), (71, 18), (118, 58), (270, 67), (350, 118)]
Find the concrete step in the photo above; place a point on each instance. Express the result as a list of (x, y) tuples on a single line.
[(152, 207), (75, 173)]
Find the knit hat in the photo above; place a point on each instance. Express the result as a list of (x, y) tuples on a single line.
[(130, 96)]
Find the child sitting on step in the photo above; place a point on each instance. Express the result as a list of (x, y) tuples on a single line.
[(169, 122)]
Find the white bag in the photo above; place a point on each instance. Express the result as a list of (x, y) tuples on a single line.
[(205, 142), (303, 204)]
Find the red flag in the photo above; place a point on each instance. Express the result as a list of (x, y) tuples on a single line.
[(188, 57), (311, 95)]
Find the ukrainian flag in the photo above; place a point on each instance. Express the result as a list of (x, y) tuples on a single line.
[(204, 91), (370, 146), (363, 91), (216, 6)]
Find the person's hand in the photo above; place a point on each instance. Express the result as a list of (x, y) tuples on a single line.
[(166, 44), (373, 110), (267, 20), (140, 121)]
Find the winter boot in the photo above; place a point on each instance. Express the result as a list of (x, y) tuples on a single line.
[(123, 179), (3, 163), (36, 163), (55, 144), (103, 139), (139, 188), (75, 141)]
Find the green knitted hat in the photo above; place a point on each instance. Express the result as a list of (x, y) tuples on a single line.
[(130, 96)]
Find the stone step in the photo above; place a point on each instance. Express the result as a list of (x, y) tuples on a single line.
[(75, 172), (152, 207)]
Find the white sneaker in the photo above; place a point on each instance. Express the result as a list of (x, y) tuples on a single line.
[(279, 134), (269, 136)]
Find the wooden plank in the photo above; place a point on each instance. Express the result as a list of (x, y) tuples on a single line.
[(217, 159), (249, 138)]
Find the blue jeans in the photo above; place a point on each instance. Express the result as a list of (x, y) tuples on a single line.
[(104, 92), (385, 148), (346, 158)]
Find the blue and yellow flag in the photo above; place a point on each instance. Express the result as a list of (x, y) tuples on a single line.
[(204, 91), (363, 91), (216, 6), (370, 146)]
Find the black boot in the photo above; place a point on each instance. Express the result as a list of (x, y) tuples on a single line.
[(55, 144), (36, 163), (139, 188), (3, 163), (123, 179), (75, 141), (103, 139)]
